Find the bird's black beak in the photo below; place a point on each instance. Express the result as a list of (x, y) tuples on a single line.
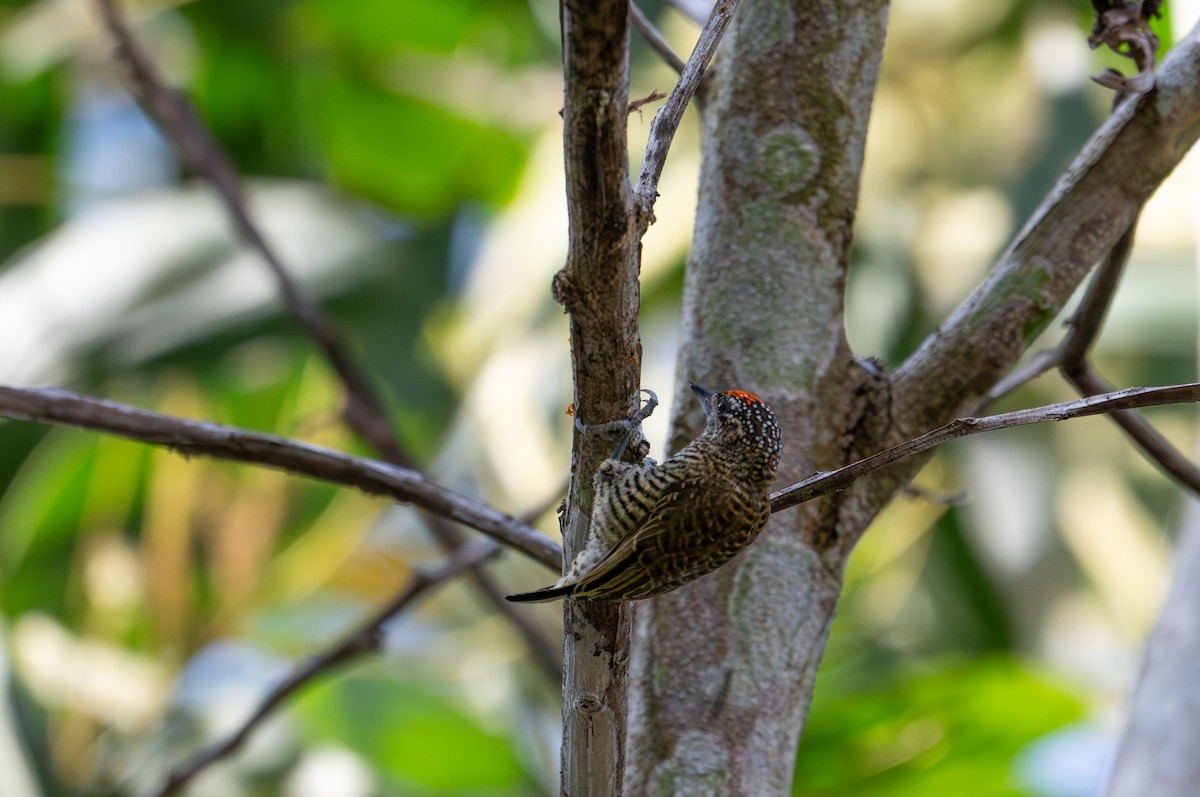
[(705, 395)]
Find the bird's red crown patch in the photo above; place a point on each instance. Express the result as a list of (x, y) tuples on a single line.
[(745, 396)]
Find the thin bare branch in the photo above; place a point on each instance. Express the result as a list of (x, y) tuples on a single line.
[(1089, 318), (1106, 403), (61, 407), (1040, 363), (1154, 445), (197, 148), (666, 121), (653, 37), (364, 411), (366, 639)]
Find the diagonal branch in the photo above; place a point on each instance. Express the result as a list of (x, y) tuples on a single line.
[(1118, 401), (364, 411), (63, 408), (1118, 28), (666, 121), (1093, 205), (366, 639), (196, 147), (653, 37), (1152, 443)]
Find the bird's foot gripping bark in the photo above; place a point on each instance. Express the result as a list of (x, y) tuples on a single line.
[(630, 429)]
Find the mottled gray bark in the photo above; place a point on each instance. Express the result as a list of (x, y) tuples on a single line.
[(721, 671)]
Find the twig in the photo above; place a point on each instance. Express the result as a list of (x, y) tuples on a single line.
[(1040, 363), (653, 37), (666, 121), (61, 407), (1153, 444), (366, 639), (364, 411), (1089, 317), (636, 105), (832, 481)]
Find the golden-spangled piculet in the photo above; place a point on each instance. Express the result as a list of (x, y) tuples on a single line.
[(656, 528)]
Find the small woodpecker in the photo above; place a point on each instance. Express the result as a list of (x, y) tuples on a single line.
[(656, 528)]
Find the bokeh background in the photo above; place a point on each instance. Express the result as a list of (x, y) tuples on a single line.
[(406, 160)]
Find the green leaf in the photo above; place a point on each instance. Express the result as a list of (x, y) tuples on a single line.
[(408, 154), (956, 730)]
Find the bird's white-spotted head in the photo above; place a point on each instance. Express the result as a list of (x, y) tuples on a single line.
[(740, 422)]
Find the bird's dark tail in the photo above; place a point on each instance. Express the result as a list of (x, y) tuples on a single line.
[(541, 595)]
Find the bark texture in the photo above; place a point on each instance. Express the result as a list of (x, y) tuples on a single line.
[(722, 670), (598, 287)]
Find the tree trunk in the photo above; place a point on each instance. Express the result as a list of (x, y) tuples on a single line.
[(722, 670)]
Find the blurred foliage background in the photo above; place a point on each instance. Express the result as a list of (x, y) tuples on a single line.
[(406, 159)]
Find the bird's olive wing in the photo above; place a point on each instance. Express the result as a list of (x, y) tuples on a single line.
[(670, 547)]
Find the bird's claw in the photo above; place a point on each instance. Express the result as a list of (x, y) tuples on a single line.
[(627, 426)]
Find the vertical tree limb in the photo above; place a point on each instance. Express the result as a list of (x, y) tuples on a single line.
[(599, 289)]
